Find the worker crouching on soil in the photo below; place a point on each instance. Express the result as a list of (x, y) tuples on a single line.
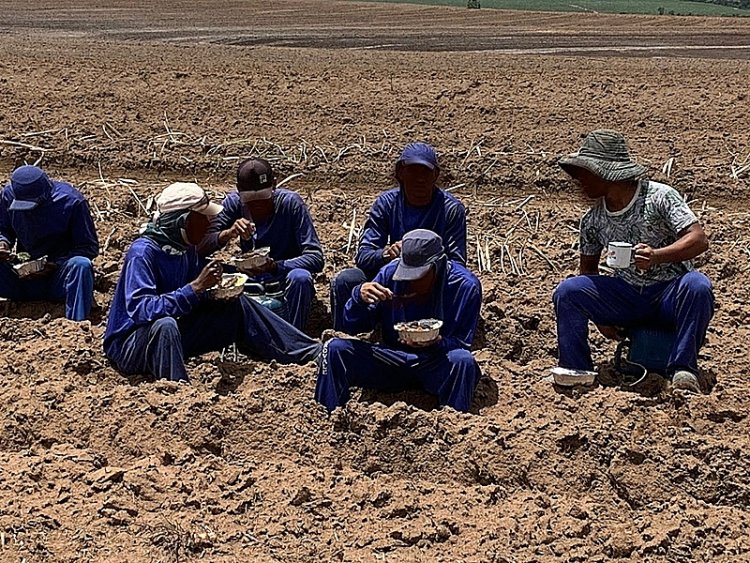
[(162, 311), (261, 215), (656, 284), (51, 222), (417, 203), (421, 284)]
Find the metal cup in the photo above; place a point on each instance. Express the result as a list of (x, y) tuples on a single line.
[(619, 255)]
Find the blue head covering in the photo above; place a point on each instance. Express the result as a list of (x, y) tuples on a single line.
[(31, 188), (419, 153)]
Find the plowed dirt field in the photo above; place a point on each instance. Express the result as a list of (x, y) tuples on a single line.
[(242, 465)]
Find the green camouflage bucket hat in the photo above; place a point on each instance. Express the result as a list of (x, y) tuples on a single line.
[(604, 153)]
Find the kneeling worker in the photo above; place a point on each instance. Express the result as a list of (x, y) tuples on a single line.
[(261, 215), (421, 284), (51, 220), (161, 312)]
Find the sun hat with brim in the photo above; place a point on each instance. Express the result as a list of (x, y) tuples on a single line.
[(30, 187), (604, 153), (420, 249), (186, 196)]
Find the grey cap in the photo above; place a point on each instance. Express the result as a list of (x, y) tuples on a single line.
[(420, 249), (604, 153)]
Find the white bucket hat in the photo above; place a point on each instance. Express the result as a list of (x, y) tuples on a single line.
[(186, 196)]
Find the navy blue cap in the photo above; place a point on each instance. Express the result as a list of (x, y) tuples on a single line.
[(419, 153), (30, 186), (420, 249)]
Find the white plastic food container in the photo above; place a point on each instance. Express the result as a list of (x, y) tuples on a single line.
[(230, 287), (565, 377), (419, 332), (253, 259), (31, 267)]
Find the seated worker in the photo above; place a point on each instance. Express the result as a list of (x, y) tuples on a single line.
[(659, 287), (421, 284), (51, 219), (262, 216), (161, 313), (417, 203)]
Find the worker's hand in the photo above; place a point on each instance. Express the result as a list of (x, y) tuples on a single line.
[(209, 277), (391, 252), (5, 253), (645, 256), (242, 228), (269, 267), (373, 292), (407, 342), (611, 332)]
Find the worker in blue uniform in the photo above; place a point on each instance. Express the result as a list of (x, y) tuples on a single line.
[(261, 215), (162, 313), (48, 218), (421, 284), (417, 203)]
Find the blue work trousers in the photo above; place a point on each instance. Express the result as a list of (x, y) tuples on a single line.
[(298, 297), (452, 375), (161, 347), (685, 304), (341, 290), (72, 283)]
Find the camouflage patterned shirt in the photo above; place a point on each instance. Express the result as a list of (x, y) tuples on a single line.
[(655, 216)]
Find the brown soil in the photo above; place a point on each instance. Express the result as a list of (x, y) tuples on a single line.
[(242, 465)]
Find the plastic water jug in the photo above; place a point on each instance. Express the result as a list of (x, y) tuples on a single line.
[(269, 294)]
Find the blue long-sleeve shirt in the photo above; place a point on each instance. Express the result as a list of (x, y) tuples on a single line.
[(289, 232), (391, 218), (60, 227), (457, 304), (152, 285)]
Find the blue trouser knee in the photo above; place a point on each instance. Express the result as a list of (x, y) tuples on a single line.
[(451, 376), (76, 279), (299, 294), (72, 283), (155, 349), (341, 290), (685, 303)]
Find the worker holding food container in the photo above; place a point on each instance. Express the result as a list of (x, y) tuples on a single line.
[(170, 304), (50, 224), (280, 248), (650, 237), (428, 309)]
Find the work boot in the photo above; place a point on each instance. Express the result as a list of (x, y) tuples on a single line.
[(686, 381)]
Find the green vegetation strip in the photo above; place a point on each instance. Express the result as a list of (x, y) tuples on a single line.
[(678, 7)]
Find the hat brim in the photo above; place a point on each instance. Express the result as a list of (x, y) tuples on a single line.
[(405, 272), (21, 205), (256, 195), (421, 161), (210, 210), (605, 169)]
